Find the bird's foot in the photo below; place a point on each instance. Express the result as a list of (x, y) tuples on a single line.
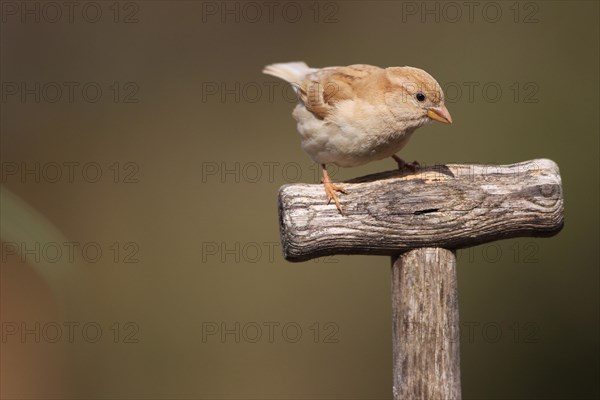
[(330, 190), (404, 166)]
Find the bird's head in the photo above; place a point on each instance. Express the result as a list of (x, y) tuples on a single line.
[(415, 97)]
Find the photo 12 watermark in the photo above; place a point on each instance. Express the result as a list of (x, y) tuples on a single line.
[(237, 92), (262, 172), (71, 252), (249, 253), (491, 92), (517, 253), (270, 332), (69, 92), (473, 332), (478, 172), (71, 172), (270, 12), (71, 332), (69, 12), (248, 92), (488, 12)]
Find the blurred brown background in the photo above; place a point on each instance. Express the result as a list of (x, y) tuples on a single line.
[(142, 151)]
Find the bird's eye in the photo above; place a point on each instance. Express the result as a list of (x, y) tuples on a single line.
[(420, 97)]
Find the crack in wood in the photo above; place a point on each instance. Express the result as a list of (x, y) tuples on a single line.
[(426, 211)]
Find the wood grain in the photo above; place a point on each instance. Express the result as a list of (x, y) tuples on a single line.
[(450, 206), (425, 325)]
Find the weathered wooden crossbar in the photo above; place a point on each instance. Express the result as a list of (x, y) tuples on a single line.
[(419, 219), (450, 206)]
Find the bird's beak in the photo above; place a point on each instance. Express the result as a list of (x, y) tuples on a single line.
[(440, 114)]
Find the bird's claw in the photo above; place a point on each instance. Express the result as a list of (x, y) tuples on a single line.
[(409, 167), (330, 190)]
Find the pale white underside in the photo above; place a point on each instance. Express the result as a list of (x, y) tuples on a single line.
[(357, 134)]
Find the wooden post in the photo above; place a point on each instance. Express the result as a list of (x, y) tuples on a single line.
[(425, 325), (420, 219)]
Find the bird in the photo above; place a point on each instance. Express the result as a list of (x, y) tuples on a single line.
[(352, 115)]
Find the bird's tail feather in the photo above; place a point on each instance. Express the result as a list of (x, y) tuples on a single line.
[(293, 72)]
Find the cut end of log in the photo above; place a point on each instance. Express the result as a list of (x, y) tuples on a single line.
[(450, 206)]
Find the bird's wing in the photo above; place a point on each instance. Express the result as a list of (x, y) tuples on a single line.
[(321, 90)]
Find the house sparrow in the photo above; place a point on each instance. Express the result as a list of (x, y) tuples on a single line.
[(352, 115)]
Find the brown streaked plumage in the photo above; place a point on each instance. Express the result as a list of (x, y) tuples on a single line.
[(352, 115)]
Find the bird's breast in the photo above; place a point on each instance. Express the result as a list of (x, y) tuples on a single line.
[(354, 134)]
